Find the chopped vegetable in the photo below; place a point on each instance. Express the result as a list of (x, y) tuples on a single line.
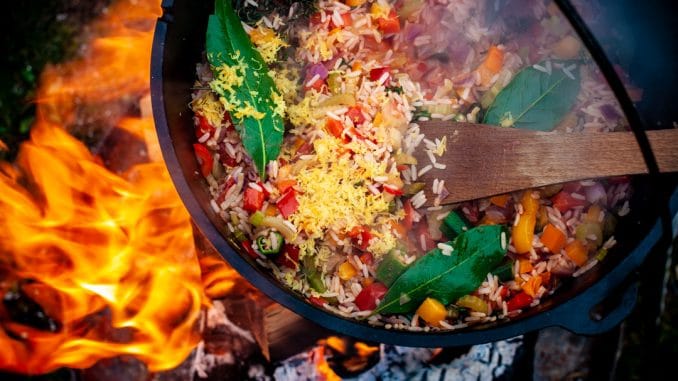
[(377, 73), (590, 232), (567, 48), (356, 115), (563, 201), (500, 200), (239, 235), (361, 236), (529, 203), (257, 218), (368, 296), (519, 301), (531, 287), (354, 3), (473, 303), (404, 159), (334, 127), (288, 204), (284, 185), (390, 24), (204, 127), (204, 159), (432, 311), (505, 271), (410, 8), (553, 238), (271, 243), (523, 233), (313, 276), (391, 267), (413, 188), (577, 252), (253, 200), (409, 214), (247, 246), (524, 266), (491, 66), (278, 224), (454, 224), (346, 271), (289, 257)]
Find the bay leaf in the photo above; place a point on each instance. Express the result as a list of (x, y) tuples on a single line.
[(536, 99), (448, 277), (255, 113)]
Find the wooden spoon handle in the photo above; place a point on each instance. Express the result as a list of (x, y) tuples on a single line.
[(484, 160)]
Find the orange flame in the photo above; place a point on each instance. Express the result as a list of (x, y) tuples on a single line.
[(110, 257)]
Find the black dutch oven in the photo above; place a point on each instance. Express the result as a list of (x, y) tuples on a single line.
[(590, 304)]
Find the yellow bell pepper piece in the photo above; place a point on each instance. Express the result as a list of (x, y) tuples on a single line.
[(432, 311), (347, 271), (523, 233), (473, 303), (354, 3), (529, 203)]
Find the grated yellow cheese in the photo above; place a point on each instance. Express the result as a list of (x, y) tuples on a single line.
[(209, 107), (333, 191), (287, 82), (384, 241), (267, 42)]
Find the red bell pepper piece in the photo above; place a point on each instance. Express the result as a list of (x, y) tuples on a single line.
[(355, 113), (203, 127), (318, 85), (334, 127), (409, 213), (392, 190), (316, 301), (563, 201), (247, 245), (204, 158), (390, 24), (361, 236), (377, 73), (367, 258), (225, 158), (266, 193), (367, 298), (253, 200), (289, 257), (288, 204), (519, 301)]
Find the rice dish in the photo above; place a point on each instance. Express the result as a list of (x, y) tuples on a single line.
[(340, 214)]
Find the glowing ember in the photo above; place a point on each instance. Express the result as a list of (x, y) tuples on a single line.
[(109, 258)]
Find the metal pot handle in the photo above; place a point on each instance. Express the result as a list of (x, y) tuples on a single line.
[(580, 317)]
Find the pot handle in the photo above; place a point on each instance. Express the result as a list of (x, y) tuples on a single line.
[(581, 316)]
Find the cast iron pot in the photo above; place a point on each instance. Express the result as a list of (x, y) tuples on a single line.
[(177, 47)]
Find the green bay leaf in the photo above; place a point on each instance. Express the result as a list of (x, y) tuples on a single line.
[(536, 100), (448, 277), (229, 45)]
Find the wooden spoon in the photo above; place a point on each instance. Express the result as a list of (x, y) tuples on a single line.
[(482, 160)]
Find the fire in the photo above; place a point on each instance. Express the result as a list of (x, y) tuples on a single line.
[(108, 257)]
